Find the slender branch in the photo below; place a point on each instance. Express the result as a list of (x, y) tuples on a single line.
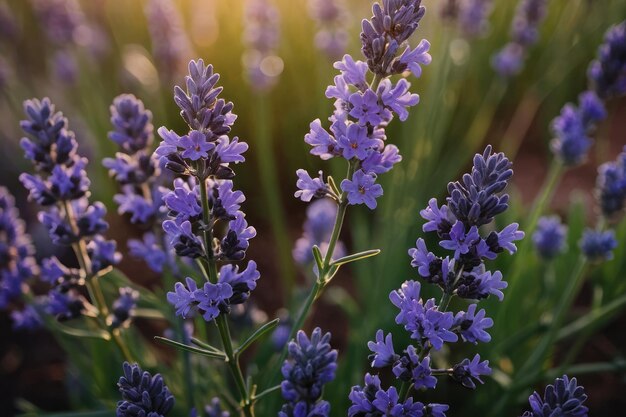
[(222, 324)]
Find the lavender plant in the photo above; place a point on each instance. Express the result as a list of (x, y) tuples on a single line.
[(140, 178), (310, 365), (17, 264), (205, 223), (524, 33), (61, 187), (363, 109), (564, 398), (472, 203)]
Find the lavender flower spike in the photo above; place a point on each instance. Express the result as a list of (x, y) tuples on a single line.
[(143, 394)]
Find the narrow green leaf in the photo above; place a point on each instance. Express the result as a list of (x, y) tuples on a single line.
[(593, 318), (260, 332), (317, 255), (266, 392), (206, 346), (355, 257), (92, 334), (149, 313), (193, 349)]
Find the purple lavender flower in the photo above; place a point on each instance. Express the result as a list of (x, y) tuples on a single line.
[(184, 201), (132, 124), (26, 319), (309, 188), (382, 348), (150, 250), (183, 298), (564, 398), (422, 319), (211, 297), (472, 325), (214, 409), (16, 251), (460, 241), (476, 201), (549, 238), (61, 186), (468, 371), (124, 307), (242, 283), (143, 394), (356, 143), (182, 238), (410, 367), (611, 186), (524, 33), (362, 189), (608, 71), (372, 400), (597, 246), (310, 365)]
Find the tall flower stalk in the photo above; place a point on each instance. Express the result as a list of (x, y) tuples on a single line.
[(366, 101), (205, 222), (471, 204), (61, 187)]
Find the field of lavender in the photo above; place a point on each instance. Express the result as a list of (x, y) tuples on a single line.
[(312, 208)]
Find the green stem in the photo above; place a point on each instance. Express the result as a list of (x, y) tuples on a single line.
[(271, 186), (405, 388), (232, 360), (93, 285)]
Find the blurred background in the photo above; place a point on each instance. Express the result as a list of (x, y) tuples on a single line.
[(83, 53)]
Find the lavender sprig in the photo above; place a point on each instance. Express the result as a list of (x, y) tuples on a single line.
[(472, 203), (363, 109), (563, 398), (524, 33), (205, 222), (61, 187)]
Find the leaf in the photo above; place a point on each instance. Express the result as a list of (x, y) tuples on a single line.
[(203, 345), (93, 334), (149, 313), (317, 255), (257, 334), (193, 349), (355, 257)]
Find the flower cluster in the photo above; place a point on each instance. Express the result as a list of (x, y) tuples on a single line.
[(138, 173), (143, 394), (524, 33), (597, 245), (310, 365), (607, 73), (565, 398), (61, 186), (17, 264), (261, 37), (611, 187), (472, 203), (124, 308), (331, 18), (320, 216), (363, 109), (212, 410), (16, 251), (549, 238), (201, 204)]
